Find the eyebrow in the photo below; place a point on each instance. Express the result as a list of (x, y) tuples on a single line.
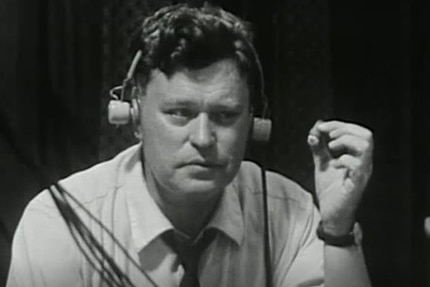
[(227, 103)]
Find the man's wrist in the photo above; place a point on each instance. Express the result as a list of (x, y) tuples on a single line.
[(338, 226), (349, 238)]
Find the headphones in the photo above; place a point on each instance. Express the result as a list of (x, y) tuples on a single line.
[(125, 108)]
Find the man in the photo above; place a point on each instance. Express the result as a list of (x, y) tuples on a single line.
[(186, 186)]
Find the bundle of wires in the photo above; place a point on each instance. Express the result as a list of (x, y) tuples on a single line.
[(90, 247), (92, 250)]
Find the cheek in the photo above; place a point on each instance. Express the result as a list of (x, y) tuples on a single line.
[(235, 142), (160, 143), (157, 131)]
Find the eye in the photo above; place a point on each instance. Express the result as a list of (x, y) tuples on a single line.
[(225, 117), (180, 115)]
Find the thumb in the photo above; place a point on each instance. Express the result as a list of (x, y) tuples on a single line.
[(427, 227), (318, 146)]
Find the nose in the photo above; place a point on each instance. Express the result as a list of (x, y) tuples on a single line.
[(202, 134)]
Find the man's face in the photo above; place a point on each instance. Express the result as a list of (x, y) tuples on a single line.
[(195, 126)]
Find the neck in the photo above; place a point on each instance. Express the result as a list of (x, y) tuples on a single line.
[(189, 213), (189, 217)]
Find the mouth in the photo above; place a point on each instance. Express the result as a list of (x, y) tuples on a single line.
[(204, 164)]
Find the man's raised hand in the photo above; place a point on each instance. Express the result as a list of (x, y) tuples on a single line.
[(342, 154)]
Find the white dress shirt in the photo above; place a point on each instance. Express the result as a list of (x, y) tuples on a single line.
[(45, 254)]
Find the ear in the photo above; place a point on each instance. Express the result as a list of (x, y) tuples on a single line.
[(135, 112), (137, 99)]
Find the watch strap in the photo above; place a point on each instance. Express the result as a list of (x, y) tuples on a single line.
[(352, 238)]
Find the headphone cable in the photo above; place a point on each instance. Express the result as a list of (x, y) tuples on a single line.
[(266, 219)]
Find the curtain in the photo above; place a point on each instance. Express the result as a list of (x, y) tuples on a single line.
[(50, 81)]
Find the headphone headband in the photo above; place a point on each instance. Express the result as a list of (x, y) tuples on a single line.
[(120, 111)]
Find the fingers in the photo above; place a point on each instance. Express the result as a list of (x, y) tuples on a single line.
[(347, 161), (336, 129), (427, 227), (318, 146), (349, 143), (340, 137), (314, 137)]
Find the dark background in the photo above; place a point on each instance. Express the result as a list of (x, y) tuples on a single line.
[(361, 61)]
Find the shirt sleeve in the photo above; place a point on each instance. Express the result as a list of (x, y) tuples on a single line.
[(43, 251)]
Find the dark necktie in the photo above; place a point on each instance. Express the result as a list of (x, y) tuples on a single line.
[(189, 254)]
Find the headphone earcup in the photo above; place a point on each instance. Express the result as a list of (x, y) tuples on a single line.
[(261, 129), (118, 112), (122, 112)]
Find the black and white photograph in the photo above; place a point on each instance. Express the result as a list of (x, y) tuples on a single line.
[(214, 143)]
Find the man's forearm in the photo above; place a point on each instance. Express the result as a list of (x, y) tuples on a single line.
[(345, 266)]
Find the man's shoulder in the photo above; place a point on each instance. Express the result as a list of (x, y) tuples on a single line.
[(42, 227), (93, 184), (279, 187)]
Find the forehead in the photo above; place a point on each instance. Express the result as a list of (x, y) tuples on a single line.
[(220, 81)]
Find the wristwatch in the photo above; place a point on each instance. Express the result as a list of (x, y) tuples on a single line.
[(354, 237)]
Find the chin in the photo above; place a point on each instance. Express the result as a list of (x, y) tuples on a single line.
[(202, 187)]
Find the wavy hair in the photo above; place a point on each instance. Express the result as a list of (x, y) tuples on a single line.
[(181, 36)]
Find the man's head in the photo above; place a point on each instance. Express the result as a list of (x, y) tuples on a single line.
[(195, 78), (179, 36)]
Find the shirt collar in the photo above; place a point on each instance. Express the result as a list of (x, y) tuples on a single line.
[(147, 220), (228, 218)]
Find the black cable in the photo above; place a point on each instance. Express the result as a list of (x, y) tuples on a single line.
[(105, 229), (65, 210), (17, 149), (75, 225), (94, 242), (265, 112), (267, 257), (87, 256)]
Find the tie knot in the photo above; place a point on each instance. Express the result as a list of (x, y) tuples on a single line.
[(189, 251)]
